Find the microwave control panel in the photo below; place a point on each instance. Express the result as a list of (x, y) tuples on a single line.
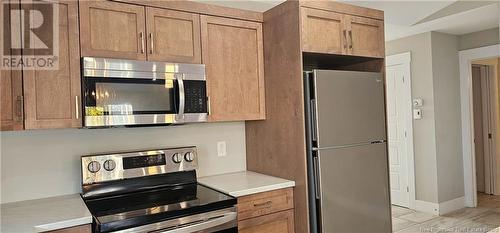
[(196, 96)]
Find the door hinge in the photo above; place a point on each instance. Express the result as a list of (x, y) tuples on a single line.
[(407, 189), (490, 136), (403, 78), (405, 134)]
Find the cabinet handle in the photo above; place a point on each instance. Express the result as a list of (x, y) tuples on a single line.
[(267, 204), (152, 43), (77, 110), (141, 36), (350, 36), (345, 39), (20, 107), (208, 105)]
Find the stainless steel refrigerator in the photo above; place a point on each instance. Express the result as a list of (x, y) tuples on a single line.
[(347, 152)]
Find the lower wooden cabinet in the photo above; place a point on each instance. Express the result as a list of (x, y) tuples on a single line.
[(281, 222), (266, 212), (78, 229)]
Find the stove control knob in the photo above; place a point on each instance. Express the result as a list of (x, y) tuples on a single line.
[(94, 166), (189, 156), (109, 165), (176, 158)]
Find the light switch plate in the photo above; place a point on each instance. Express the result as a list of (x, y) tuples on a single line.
[(417, 114), (221, 149)]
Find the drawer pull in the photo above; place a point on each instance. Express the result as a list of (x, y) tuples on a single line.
[(267, 204)]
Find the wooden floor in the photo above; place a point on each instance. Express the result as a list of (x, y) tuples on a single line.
[(469, 220)]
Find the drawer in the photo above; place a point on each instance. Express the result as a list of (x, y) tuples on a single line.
[(265, 203), (281, 222)]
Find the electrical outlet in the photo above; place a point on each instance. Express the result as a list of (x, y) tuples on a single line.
[(221, 148)]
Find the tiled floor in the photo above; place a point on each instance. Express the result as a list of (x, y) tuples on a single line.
[(469, 220)]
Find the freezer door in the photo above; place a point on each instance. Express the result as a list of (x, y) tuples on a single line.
[(350, 107), (354, 190)]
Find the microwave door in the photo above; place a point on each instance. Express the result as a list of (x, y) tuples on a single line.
[(128, 102)]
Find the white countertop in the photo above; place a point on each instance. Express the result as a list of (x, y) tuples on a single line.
[(244, 183), (44, 214)]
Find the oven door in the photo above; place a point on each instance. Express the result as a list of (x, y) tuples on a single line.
[(219, 221), (110, 101)]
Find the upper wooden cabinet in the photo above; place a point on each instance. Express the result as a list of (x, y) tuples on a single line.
[(173, 36), (121, 30), (113, 30), (323, 32), (335, 33), (52, 97), (233, 54), (11, 91), (366, 36)]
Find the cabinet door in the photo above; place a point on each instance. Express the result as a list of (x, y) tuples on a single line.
[(11, 99), (323, 32), (233, 54), (173, 36), (113, 30), (366, 37), (52, 97), (281, 222)]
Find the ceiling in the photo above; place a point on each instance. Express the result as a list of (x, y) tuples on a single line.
[(409, 17)]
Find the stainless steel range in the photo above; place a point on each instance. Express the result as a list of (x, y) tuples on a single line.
[(153, 191)]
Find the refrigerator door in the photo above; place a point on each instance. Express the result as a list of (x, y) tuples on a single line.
[(354, 189), (349, 107)]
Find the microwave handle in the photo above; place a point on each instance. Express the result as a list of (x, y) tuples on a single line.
[(182, 94)]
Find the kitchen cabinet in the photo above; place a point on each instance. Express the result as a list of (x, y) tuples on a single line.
[(173, 36), (330, 32), (11, 99), (232, 51), (78, 229), (323, 31), (112, 30), (52, 97), (366, 36), (126, 31), (281, 222), (266, 212), (11, 108)]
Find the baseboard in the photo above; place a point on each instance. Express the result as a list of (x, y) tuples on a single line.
[(427, 207), (441, 208), (451, 205)]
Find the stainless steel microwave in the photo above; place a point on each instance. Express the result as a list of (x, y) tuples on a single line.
[(141, 93)]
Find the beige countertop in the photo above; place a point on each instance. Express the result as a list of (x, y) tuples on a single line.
[(45, 214), (244, 183)]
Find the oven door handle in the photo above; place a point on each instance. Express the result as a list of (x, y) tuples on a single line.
[(205, 225), (182, 94)]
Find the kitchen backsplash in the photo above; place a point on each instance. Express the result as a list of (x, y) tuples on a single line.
[(43, 163)]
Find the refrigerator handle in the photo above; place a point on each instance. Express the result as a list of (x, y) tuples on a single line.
[(316, 177), (314, 124)]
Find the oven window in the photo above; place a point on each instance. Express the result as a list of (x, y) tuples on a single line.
[(115, 96)]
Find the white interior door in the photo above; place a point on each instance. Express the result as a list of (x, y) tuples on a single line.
[(397, 117)]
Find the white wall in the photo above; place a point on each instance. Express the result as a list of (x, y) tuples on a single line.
[(424, 129), (44, 163), (437, 136), (479, 39), (446, 86)]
